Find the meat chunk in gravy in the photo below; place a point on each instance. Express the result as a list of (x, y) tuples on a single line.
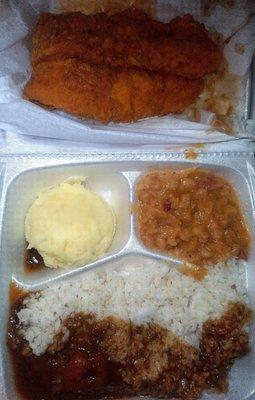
[(114, 358)]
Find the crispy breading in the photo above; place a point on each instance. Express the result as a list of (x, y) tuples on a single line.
[(186, 27), (132, 21), (122, 67), (109, 94), (128, 39)]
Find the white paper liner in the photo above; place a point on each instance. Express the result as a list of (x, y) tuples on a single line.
[(16, 21)]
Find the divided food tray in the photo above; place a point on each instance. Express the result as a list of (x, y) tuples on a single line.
[(114, 176), (30, 119)]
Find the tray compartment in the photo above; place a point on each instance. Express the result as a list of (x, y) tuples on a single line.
[(22, 191), (116, 181)]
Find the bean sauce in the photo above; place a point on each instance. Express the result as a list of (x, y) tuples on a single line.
[(192, 214)]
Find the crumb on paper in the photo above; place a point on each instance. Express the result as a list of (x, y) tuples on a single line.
[(219, 104), (217, 37), (220, 97), (193, 113), (222, 124), (220, 94), (107, 6), (208, 6), (239, 48)]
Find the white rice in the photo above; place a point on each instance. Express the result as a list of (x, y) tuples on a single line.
[(137, 290)]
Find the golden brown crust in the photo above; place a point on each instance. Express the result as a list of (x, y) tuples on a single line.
[(128, 39), (122, 67), (109, 94)]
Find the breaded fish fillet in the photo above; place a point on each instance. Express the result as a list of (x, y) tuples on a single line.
[(108, 94), (186, 27), (128, 39), (131, 21)]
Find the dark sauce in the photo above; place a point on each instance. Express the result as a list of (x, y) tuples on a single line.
[(78, 370), (93, 364), (33, 261), (16, 295)]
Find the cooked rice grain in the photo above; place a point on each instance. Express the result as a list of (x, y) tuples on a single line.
[(139, 290)]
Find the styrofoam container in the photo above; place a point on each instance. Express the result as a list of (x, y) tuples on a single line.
[(114, 176)]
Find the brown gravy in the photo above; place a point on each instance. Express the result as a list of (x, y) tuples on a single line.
[(111, 358), (33, 262), (16, 294)]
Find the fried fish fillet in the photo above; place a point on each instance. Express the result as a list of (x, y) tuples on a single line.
[(108, 94), (129, 22), (128, 39), (186, 27)]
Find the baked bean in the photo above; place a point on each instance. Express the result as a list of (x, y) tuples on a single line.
[(193, 214)]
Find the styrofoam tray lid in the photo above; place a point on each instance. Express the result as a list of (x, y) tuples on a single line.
[(13, 144), (20, 116), (22, 174)]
